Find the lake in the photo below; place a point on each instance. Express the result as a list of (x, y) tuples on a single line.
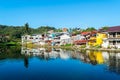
[(57, 64)]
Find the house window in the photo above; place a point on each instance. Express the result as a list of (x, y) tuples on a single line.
[(118, 33), (111, 42), (118, 42), (25, 37), (114, 35), (114, 42), (31, 37)]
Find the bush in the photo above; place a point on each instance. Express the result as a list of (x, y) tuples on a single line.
[(97, 46), (67, 45), (83, 46)]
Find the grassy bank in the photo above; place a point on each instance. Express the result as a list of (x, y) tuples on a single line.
[(10, 44)]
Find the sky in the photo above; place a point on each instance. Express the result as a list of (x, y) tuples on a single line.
[(60, 13)]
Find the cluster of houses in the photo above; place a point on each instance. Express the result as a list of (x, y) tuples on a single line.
[(106, 38)]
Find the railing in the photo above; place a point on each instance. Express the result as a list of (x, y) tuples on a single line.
[(116, 36)]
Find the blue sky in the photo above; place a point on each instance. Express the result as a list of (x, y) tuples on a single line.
[(60, 13)]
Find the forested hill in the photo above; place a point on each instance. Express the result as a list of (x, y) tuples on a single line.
[(16, 31)]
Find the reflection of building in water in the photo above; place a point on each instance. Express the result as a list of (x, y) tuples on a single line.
[(93, 57), (112, 60), (46, 53), (96, 57)]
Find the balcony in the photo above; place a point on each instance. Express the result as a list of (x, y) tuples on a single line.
[(118, 36), (114, 36)]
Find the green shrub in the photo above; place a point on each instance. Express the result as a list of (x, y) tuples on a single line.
[(83, 46), (97, 46)]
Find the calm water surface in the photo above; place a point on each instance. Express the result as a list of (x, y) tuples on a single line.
[(57, 64)]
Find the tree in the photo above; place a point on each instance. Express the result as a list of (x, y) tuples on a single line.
[(43, 29), (26, 28), (105, 27), (90, 29)]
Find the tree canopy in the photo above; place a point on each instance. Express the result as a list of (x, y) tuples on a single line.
[(15, 32)]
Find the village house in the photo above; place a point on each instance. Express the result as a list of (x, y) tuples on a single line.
[(97, 39), (113, 39), (84, 37), (61, 38), (35, 39)]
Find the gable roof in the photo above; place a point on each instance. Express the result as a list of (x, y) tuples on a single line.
[(110, 29), (114, 29), (85, 33)]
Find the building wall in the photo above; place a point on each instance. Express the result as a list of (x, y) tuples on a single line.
[(97, 40), (112, 41)]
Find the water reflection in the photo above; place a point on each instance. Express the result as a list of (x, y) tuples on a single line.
[(110, 59), (47, 54)]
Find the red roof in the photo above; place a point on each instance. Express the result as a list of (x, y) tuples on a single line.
[(85, 33), (80, 42), (48, 41)]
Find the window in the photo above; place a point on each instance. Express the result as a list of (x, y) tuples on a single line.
[(31, 37), (114, 42), (25, 37), (118, 33), (118, 42)]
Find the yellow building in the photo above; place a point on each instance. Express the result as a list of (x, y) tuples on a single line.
[(97, 40)]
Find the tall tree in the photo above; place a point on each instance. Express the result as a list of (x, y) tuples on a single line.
[(26, 28)]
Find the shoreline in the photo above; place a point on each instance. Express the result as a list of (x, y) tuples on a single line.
[(76, 47), (94, 49), (79, 49)]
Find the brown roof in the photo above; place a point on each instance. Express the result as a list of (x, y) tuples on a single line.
[(89, 33), (80, 42), (85, 33), (114, 29)]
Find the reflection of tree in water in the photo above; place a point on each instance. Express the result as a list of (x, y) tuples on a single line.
[(10, 53), (26, 62), (13, 52)]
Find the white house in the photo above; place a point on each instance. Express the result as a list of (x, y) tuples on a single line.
[(65, 39), (35, 39), (113, 40)]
